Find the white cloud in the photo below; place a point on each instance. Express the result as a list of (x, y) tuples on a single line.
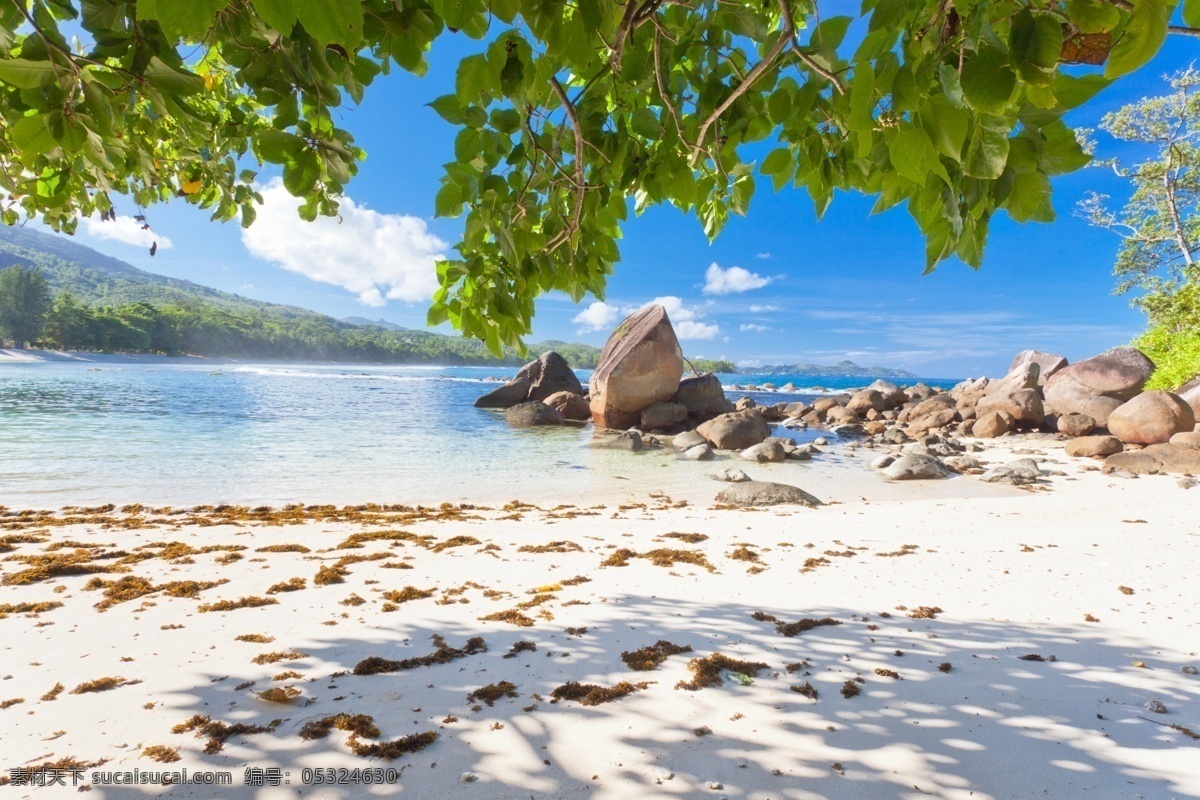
[(762, 255), (760, 309), (752, 328), (596, 317), (125, 230), (379, 257), (732, 280), (685, 320)]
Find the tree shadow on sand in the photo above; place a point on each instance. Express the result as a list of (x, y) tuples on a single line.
[(993, 725)]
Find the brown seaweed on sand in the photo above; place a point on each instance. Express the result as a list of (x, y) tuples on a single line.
[(648, 658), (406, 594), (806, 689), (101, 685), (161, 753), (218, 732), (277, 656), (290, 585), (493, 692), (243, 602), (884, 672), (455, 541), (53, 693), (590, 694), (395, 748), (807, 624), (511, 616), (744, 553), (279, 694), (357, 724), (707, 671), (283, 548), (83, 561), (690, 538), (444, 654), (925, 612), (551, 547), (520, 647), (28, 608), (257, 638), (850, 689)]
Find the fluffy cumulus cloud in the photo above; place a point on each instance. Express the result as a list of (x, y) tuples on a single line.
[(125, 230), (732, 280), (686, 320), (596, 317), (379, 257)]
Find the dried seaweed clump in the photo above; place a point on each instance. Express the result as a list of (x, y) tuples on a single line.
[(707, 671), (356, 724), (328, 575), (619, 557), (357, 540), (1125, 590), (279, 655), (243, 602), (101, 685), (53, 693), (850, 689), (578, 579), (283, 548), (257, 638), (650, 657), (10, 703), (811, 564), (512, 616), (353, 600), (806, 689), (668, 557), (218, 732), (132, 587), (455, 541), (395, 748), (925, 612), (52, 565), (493, 692), (884, 672), (290, 585), (690, 538), (161, 753), (408, 593), (520, 647), (28, 608), (945, 666), (444, 654), (807, 624), (551, 547), (590, 694), (744, 553)]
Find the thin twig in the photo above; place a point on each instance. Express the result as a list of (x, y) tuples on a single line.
[(580, 182)]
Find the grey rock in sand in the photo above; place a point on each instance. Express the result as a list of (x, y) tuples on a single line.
[(764, 493), (730, 476), (505, 396), (1021, 472), (532, 413), (735, 431), (1134, 463), (701, 452), (570, 405), (687, 440), (1075, 424), (765, 452), (1090, 446), (663, 415), (916, 468)]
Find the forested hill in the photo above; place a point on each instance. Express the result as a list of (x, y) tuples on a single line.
[(104, 304)]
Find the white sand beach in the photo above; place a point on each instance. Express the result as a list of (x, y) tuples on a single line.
[(1008, 643)]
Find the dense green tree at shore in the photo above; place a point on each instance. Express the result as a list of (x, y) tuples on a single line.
[(1159, 225), (24, 301), (568, 114)]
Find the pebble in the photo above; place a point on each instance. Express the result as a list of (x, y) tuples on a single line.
[(1188, 669), (716, 786), (468, 777), (1154, 706)]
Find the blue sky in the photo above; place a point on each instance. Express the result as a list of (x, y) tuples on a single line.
[(848, 286)]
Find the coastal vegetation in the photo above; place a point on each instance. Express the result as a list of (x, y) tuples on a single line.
[(566, 118), (1159, 224)]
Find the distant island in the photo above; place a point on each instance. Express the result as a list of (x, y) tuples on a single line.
[(846, 369)]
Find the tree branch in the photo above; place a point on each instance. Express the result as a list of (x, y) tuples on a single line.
[(580, 182), (804, 57)]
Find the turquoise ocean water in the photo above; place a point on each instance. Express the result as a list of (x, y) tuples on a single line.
[(86, 433)]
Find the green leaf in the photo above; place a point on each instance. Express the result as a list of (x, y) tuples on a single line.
[(277, 147), (279, 14), (181, 18), (300, 173), (1191, 13), (332, 21), (946, 125), (912, 153), (1073, 91), (161, 76), (26, 74), (474, 77), (1029, 198), (1036, 39), (1061, 152), (448, 108), (1142, 38), (1097, 16), (32, 135), (987, 152), (988, 81)]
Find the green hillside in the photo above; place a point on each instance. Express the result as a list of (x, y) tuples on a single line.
[(105, 304)]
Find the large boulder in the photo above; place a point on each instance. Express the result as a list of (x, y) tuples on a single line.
[(764, 493), (1151, 418), (1022, 376), (511, 393), (1120, 373), (1023, 405), (915, 468), (991, 424), (1137, 463), (866, 400), (1066, 396), (570, 405), (765, 452), (549, 374), (736, 430), (531, 413), (1048, 364), (1021, 472), (1175, 458), (1075, 424), (1091, 446), (658, 416), (893, 395), (640, 365), (1187, 439), (687, 440), (1190, 394), (703, 396)]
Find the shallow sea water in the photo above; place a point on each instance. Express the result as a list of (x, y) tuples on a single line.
[(189, 432)]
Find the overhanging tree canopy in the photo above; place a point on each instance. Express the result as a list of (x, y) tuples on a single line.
[(570, 109)]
